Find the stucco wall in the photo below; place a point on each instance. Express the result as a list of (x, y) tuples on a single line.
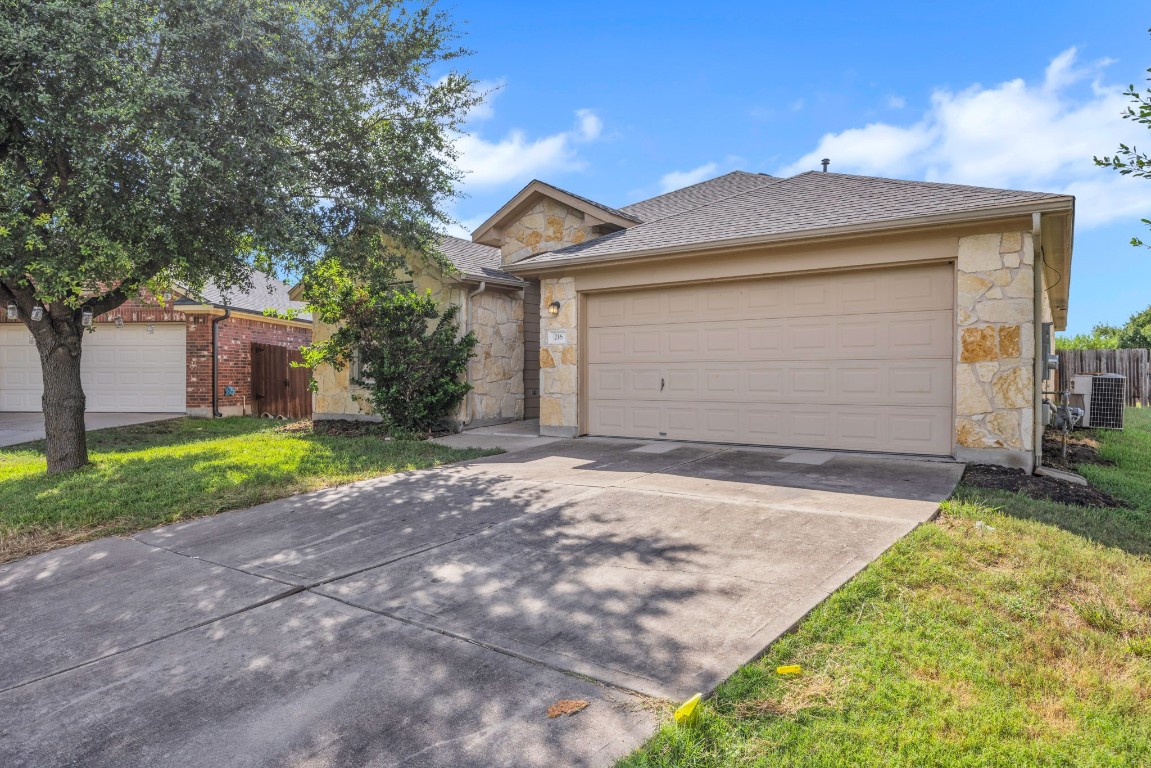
[(496, 371), (559, 363), (994, 374)]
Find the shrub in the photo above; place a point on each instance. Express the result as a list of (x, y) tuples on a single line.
[(410, 354)]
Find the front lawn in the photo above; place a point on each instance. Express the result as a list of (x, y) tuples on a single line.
[(1021, 641), (152, 474)]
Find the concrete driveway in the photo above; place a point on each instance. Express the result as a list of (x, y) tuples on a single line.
[(16, 428), (430, 618)]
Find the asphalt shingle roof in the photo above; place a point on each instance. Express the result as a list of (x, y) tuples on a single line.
[(807, 202), (266, 293), (680, 200), (475, 259)]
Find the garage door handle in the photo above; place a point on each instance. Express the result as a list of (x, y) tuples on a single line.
[(661, 385)]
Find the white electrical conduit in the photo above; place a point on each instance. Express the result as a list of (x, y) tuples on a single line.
[(468, 329), (1037, 266)]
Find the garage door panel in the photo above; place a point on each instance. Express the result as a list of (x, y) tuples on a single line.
[(926, 382), (909, 289), (875, 336), (122, 369), (901, 429), (858, 360)]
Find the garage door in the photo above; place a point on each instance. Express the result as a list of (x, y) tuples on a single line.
[(123, 369), (857, 361)]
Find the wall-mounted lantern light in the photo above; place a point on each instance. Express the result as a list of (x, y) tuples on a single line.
[(151, 329), (13, 311), (37, 313), (86, 317), (119, 321), (554, 308)]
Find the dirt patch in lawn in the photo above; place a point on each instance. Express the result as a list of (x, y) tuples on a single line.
[(1037, 487)]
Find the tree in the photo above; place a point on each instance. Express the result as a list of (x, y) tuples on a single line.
[(411, 356), (1134, 334), (146, 142), (1128, 160)]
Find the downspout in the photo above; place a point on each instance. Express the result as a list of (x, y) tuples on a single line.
[(1038, 266), (468, 329), (216, 361)]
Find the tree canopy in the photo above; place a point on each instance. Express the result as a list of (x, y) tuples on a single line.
[(151, 142), (1128, 159), (1134, 334)]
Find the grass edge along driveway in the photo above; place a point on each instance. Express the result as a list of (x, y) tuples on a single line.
[(159, 473), (1008, 632)]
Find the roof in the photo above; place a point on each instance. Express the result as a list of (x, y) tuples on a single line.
[(266, 292), (680, 200), (808, 204), (476, 261), (488, 232)]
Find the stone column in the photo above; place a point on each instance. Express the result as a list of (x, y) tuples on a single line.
[(994, 414), (559, 361)]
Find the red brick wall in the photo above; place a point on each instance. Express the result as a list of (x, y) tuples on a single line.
[(236, 335), (139, 310)]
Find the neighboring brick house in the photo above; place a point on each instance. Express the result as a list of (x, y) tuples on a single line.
[(158, 357), (824, 311)]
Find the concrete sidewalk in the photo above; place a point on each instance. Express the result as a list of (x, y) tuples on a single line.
[(430, 618)]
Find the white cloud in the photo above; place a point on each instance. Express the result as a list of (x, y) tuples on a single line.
[(896, 102), (516, 157), (679, 179), (1020, 135)]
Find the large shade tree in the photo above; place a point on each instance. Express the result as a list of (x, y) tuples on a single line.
[(151, 142)]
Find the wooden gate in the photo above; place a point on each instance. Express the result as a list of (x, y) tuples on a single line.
[(278, 388)]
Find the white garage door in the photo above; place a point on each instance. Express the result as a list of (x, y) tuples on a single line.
[(854, 360), (123, 369)]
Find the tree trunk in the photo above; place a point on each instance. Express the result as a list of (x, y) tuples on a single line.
[(64, 400)]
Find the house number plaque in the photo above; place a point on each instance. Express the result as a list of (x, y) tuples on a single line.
[(557, 337)]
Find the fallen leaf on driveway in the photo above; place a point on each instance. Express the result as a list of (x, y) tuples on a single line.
[(567, 707)]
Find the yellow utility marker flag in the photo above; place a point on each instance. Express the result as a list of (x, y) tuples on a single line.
[(789, 669), (686, 714)]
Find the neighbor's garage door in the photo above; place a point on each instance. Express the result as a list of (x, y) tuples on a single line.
[(123, 369), (854, 360)]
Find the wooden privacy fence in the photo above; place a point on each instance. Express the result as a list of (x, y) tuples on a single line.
[(1135, 364), (278, 388)]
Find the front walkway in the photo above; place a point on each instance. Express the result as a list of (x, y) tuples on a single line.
[(432, 617)]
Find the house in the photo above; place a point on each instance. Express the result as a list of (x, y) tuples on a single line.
[(154, 356), (824, 310)]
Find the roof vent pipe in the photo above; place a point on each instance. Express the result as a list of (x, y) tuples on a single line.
[(825, 162)]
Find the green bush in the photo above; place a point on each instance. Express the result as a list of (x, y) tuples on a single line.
[(411, 358)]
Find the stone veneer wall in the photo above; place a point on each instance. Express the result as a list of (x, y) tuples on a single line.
[(546, 226), (496, 371), (994, 416), (559, 363)]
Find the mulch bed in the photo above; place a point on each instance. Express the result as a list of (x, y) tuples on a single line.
[(1082, 448), (1036, 486), (347, 428)]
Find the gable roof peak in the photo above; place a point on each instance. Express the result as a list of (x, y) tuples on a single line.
[(489, 233)]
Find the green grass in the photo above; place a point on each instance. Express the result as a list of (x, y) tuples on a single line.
[(1129, 477), (1026, 645), (153, 474)]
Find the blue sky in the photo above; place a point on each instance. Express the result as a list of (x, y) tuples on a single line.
[(620, 101)]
